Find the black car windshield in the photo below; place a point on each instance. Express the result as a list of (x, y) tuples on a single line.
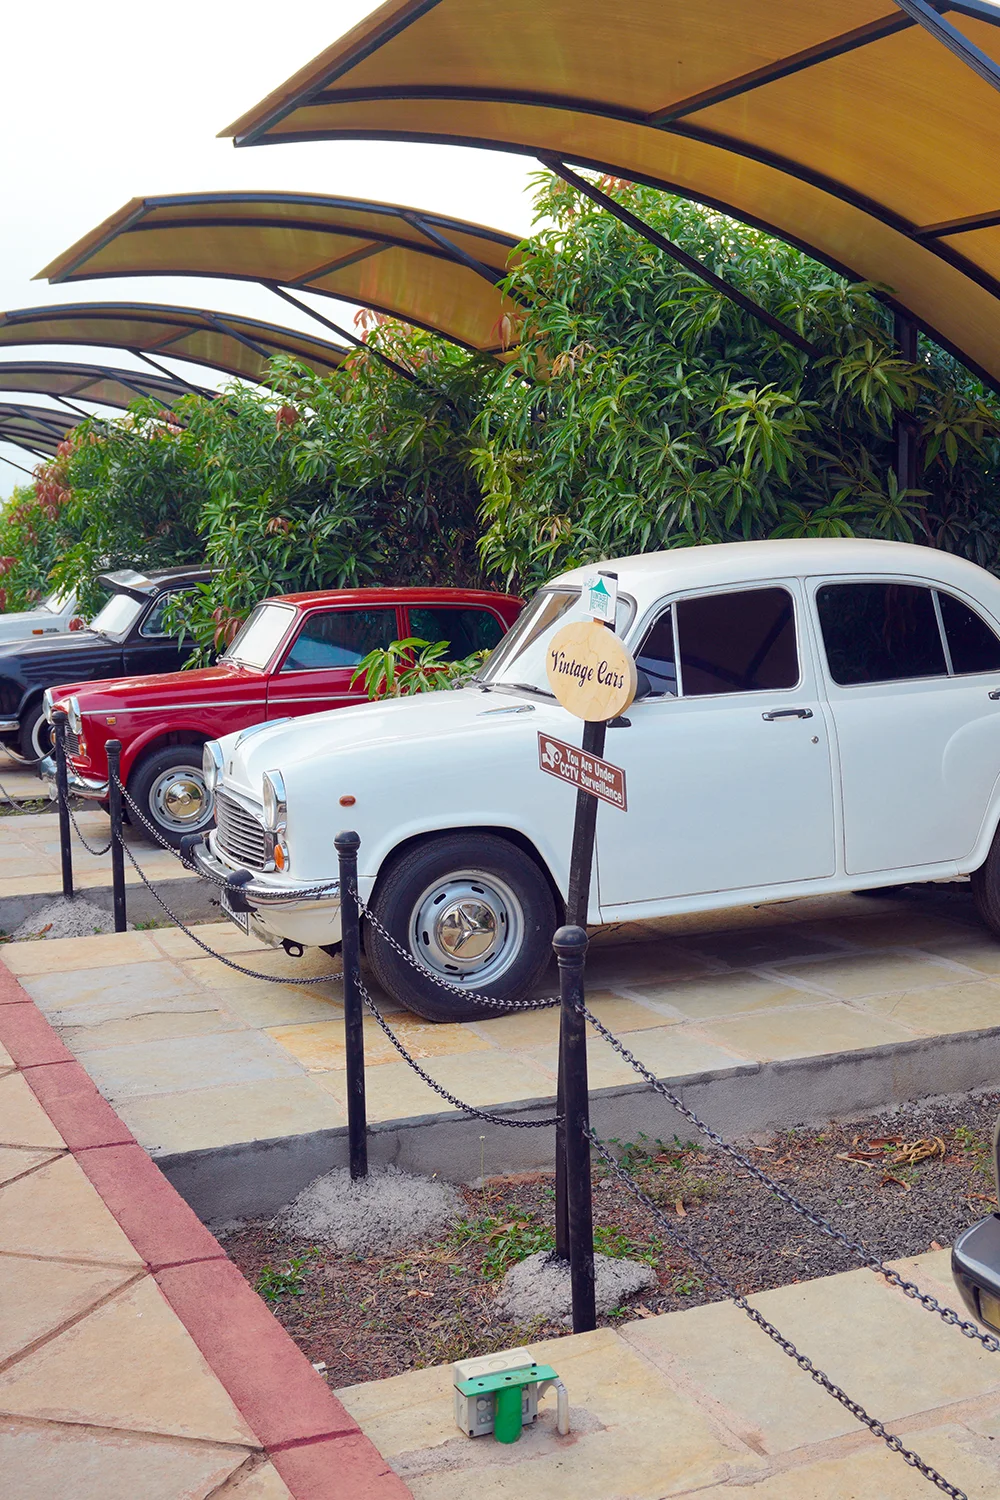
[(118, 615), (518, 662), (261, 636)]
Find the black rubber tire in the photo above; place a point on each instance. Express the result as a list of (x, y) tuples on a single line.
[(148, 771), (35, 736), (985, 884), (401, 887)]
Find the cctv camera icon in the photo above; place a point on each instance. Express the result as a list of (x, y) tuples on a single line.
[(552, 755)]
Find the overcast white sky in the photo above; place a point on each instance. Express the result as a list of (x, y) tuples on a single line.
[(115, 100)]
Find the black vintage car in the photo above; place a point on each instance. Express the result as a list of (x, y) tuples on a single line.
[(127, 637)]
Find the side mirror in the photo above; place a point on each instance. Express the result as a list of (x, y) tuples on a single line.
[(643, 686), (975, 1259)]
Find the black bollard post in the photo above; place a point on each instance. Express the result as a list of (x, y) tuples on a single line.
[(114, 749), (347, 845), (62, 794), (581, 864), (570, 944)]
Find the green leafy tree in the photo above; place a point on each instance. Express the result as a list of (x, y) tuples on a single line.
[(644, 409)]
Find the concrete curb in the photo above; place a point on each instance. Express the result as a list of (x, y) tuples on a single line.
[(314, 1444), (250, 1178)]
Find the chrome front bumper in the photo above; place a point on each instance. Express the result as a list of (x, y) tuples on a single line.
[(82, 786), (281, 895)]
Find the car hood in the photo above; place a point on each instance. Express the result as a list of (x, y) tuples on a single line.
[(153, 689), (309, 741), (58, 658)]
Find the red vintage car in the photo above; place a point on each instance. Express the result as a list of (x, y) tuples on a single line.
[(295, 655)]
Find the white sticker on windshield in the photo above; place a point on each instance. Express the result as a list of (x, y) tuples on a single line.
[(600, 596)]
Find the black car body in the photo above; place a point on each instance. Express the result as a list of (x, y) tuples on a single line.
[(127, 637)]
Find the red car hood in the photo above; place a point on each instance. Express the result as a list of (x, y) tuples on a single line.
[(156, 688)]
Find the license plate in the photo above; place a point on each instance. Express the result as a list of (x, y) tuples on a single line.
[(241, 918)]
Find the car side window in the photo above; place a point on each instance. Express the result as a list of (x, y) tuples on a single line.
[(152, 625), (340, 638), (739, 642), (880, 632), (972, 644), (465, 630)]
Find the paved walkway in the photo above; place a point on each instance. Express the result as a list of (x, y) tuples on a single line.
[(29, 854), (701, 1403), (135, 1361), (196, 1055)]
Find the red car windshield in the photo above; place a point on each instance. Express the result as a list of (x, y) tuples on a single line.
[(261, 636)]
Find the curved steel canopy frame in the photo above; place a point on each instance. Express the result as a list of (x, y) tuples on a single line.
[(36, 429), (410, 71), (234, 345), (101, 384), (425, 268)]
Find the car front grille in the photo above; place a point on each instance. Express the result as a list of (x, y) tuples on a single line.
[(72, 743), (240, 836)]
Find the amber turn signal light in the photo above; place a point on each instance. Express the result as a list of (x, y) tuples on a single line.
[(348, 801)]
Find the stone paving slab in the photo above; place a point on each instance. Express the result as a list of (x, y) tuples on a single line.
[(196, 1055), (30, 863), (135, 1361), (701, 1402)]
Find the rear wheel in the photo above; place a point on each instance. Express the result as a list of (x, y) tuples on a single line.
[(985, 884), (467, 909), (169, 789)]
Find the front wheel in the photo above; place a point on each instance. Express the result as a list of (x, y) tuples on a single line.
[(35, 738), (169, 789), (463, 909)]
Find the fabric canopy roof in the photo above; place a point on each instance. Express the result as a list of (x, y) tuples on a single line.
[(435, 272), (37, 428), (857, 129), (236, 345), (98, 383)]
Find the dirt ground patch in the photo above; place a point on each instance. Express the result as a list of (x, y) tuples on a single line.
[(365, 1318)]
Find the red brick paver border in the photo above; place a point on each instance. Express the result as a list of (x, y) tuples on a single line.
[(313, 1442)]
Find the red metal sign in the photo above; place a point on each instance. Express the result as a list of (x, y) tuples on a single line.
[(588, 772)]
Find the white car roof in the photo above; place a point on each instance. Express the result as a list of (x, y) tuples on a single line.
[(732, 562)]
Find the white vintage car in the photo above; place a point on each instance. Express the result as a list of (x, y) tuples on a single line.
[(53, 615), (812, 716)]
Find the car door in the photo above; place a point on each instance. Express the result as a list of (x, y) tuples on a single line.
[(319, 662), (465, 627), (910, 670), (728, 768), (150, 647)]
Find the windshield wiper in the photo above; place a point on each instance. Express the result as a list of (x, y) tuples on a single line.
[(528, 687)]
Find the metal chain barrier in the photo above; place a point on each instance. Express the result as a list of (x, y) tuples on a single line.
[(480, 1114), (857, 1249), (875, 1427), (336, 979), (860, 1251), (89, 847)]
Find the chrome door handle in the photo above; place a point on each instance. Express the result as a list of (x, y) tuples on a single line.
[(788, 713), (995, 694)]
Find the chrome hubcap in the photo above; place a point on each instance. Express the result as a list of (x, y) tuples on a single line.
[(179, 799), (467, 926)]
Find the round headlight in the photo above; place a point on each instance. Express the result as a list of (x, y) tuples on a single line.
[(47, 704), (211, 765), (275, 809), (73, 717)]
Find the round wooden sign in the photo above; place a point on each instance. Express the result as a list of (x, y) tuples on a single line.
[(590, 671)]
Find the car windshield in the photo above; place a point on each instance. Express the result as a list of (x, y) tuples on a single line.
[(57, 602), (519, 660), (260, 636), (118, 615)]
